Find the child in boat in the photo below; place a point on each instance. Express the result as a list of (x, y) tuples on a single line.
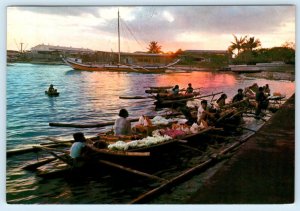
[(122, 125), (190, 89), (77, 149)]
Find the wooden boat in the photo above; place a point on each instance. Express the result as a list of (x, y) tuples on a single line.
[(116, 68), (245, 69), (76, 65), (52, 94)]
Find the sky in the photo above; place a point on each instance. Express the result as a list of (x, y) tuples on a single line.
[(173, 27)]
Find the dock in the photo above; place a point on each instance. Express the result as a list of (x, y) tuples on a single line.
[(262, 171)]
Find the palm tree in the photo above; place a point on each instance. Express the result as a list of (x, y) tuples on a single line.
[(238, 44), (251, 44), (154, 47)]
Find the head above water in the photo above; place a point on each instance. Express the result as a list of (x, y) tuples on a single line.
[(79, 137), (260, 89), (189, 84), (51, 85), (240, 90), (176, 87), (123, 113)]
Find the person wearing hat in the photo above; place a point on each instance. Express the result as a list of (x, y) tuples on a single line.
[(190, 89), (77, 149), (122, 125)]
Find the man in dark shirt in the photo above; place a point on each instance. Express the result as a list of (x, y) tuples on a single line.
[(261, 100), (239, 96)]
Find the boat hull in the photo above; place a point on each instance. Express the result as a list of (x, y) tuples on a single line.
[(114, 68)]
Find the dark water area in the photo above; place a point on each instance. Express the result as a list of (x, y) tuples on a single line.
[(91, 97)]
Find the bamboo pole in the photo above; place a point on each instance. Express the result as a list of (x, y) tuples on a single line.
[(166, 185), (35, 165), (134, 171), (190, 98), (99, 124)]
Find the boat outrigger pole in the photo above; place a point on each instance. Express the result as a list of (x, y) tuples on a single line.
[(119, 37)]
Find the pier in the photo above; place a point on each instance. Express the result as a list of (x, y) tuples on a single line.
[(262, 172)]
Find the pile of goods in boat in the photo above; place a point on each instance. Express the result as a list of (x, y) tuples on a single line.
[(178, 130), (145, 142)]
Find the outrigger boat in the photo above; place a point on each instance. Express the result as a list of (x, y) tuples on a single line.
[(77, 65)]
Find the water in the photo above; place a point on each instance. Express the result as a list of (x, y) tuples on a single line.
[(87, 97)]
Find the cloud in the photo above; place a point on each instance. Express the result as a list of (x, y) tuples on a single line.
[(183, 24)]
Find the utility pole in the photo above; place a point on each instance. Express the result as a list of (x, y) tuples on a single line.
[(119, 36)]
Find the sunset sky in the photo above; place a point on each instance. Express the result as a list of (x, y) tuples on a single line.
[(173, 27)]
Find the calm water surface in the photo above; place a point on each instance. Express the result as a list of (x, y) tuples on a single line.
[(87, 97)]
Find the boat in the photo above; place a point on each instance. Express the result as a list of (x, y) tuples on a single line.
[(244, 69), (52, 94), (117, 68), (76, 64)]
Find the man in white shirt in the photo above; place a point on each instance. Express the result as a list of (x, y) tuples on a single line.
[(122, 125), (77, 149), (203, 113)]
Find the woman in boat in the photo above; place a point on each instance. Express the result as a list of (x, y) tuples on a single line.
[(190, 89), (239, 96), (221, 101), (78, 149), (175, 90), (122, 125), (261, 100)]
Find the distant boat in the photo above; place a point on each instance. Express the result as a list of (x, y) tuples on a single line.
[(244, 69), (76, 64), (52, 94)]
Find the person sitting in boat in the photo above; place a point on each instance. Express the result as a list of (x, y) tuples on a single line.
[(221, 101), (205, 116), (78, 149), (250, 91), (239, 96), (261, 100), (175, 90), (267, 90), (144, 125), (190, 89), (51, 89), (122, 125)]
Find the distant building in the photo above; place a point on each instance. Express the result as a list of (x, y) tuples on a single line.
[(53, 53), (12, 55), (200, 56), (56, 48)]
